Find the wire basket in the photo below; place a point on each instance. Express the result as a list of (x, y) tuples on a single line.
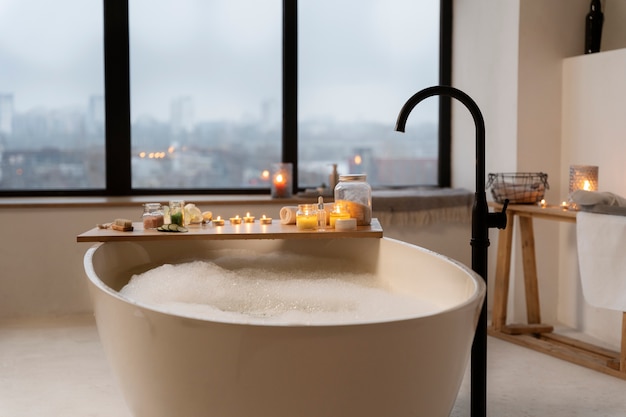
[(518, 187)]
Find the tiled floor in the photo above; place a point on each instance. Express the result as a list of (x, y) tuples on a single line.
[(56, 368)]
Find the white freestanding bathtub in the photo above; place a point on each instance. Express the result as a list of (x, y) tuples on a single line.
[(173, 366)]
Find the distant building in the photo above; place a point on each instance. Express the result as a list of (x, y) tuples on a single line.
[(94, 122), (6, 114), (181, 115)]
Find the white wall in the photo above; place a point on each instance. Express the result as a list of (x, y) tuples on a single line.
[(594, 133), (508, 56)]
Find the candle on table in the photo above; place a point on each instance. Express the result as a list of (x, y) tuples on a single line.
[(235, 220), (543, 203), (219, 221), (339, 212), (564, 205), (306, 217), (265, 220), (248, 218), (307, 222)]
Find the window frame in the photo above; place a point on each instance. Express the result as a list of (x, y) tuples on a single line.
[(118, 175)]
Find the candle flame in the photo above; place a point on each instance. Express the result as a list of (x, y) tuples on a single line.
[(248, 214), (219, 218), (587, 185), (263, 216), (279, 179)]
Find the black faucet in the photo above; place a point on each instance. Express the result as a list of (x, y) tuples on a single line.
[(482, 220)]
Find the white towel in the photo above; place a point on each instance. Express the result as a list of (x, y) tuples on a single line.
[(288, 214), (601, 242)]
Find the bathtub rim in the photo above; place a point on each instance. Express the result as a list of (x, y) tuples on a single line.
[(479, 291)]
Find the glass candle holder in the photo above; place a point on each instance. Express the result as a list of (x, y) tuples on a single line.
[(282, 177), (583, 177), (340, 211), (306, 217)]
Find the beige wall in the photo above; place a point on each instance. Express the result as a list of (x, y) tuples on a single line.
[(42, 264)]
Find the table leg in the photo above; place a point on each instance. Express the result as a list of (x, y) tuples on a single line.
[(533, 312), (622, 355), (503, 269)]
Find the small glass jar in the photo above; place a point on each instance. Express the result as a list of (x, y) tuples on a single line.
[(306, 217), (355, 194), (152, 215), (177, 212)]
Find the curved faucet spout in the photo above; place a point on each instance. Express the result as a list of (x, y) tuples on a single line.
[(482, 220), (471, 106)]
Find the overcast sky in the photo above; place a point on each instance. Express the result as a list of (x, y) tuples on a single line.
[(359, 59)]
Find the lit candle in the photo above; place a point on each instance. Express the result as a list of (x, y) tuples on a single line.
[(248, 218), (280, 185), (543, 203), (587, 185), (564, 205), (282, 175), (219, 221), (307, 222), (306, 217), (265, 220), (235, 220), (339, 212)]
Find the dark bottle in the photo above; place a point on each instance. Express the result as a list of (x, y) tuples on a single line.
[(593, 27)]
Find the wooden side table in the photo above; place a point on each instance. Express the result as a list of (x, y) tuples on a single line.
[(534, 334)]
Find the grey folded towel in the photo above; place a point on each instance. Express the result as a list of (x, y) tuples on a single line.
[(592, 198)]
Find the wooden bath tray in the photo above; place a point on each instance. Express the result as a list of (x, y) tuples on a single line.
[(208, 231)]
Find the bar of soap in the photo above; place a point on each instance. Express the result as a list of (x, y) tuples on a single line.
[(345, 224)]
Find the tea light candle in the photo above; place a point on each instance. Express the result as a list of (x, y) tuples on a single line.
[(265, 220), (219, 221), (248, 218), (564, 205), (235, 220), (543, 203)]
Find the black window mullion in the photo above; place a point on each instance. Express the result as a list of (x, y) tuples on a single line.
[(117, 97), (445, 78), (290, 86)]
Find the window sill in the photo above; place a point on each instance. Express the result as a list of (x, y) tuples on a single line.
[(391, 206), (383, 200)]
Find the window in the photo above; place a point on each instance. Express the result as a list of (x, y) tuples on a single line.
[(359, 61), (205, 92), (204, 95), (51, 95)]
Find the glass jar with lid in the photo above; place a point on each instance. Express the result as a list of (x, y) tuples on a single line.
[(355, 194), (152, 215)]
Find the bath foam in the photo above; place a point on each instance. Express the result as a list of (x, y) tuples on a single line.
[(277, 289)]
